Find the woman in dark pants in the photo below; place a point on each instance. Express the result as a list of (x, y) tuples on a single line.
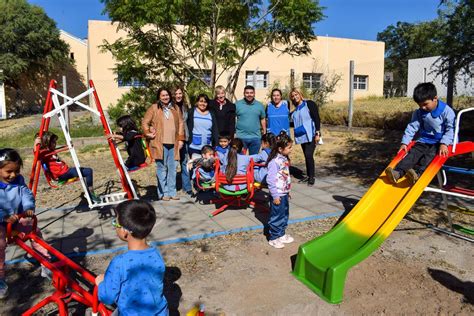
[(307, 129), (180, 101)]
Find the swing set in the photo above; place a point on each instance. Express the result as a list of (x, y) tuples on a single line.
[(52, 108)]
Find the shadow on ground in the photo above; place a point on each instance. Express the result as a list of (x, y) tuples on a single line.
[(451, 282)]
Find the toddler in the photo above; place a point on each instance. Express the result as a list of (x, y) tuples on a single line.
[(15, 199), (279, 183), (134, 280)]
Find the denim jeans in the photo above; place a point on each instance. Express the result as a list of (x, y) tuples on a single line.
[(185, 180), (278, 220), (87, 174), (166, 172), (253, 145)]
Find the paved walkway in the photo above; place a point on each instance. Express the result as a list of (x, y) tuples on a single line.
[(84, 232)]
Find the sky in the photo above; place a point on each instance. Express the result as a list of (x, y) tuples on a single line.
[(357, 19)]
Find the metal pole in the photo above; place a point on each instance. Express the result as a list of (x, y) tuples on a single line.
[(66, 110), (292, 78), (451, 83), (351, 91), (3, 107)]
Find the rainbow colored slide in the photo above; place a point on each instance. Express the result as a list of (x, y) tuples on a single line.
[(322, 264)]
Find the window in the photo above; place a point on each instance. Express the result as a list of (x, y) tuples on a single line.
[(71, 55), (132, 83), (312, 80), (261, 79), (204, 74), (360, 82)]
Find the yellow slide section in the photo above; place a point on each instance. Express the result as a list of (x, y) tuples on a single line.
[(384, 205), (322, 264)]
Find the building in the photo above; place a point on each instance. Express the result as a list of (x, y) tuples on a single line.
[(77, 53), (424, 70), (329, 56)]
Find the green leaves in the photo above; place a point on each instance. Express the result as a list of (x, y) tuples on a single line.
[(179, 39), (29, 41)]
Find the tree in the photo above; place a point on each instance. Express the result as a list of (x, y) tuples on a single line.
[(457, 39), (457, 35), (29, 42), (186, 40), (405, 41)]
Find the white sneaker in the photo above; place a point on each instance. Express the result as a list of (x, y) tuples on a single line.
[(286, 239), (46, 273), (276, 243), (3, 289)]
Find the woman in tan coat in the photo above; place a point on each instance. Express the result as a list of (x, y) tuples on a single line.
[(163, 124)]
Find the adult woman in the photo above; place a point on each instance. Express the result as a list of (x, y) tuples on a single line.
[(278, 114), (183, 153), (164, 125), (224, 110), (202, 126), (307, 129)]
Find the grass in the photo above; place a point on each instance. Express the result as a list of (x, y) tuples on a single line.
[(93, 148), (80, 127), (378, 112)]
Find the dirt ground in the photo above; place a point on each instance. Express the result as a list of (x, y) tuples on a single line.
[(416, 271)]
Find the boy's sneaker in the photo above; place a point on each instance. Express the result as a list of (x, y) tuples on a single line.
[(286, 239), (276, 243), (412, 176), (3, 289), (392, 174), (46, 273)]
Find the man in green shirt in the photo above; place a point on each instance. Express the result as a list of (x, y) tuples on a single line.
[(250, 117)]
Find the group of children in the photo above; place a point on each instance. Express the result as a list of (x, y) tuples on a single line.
[(134, 280)]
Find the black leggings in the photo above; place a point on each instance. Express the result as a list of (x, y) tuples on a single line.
[(418, 158), (308, 151)]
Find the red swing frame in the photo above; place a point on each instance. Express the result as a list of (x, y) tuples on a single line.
[(240, 199), (67, 288)]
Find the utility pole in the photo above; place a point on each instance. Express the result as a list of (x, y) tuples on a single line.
[(351, 92), (3, 107)]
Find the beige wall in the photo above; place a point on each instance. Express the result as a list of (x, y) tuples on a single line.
[(79, 48), (329, 56)]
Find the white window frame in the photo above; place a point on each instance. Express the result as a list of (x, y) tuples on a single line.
[(261, 81), (203, 74), (313, 80), (133, 83), (361, 82)]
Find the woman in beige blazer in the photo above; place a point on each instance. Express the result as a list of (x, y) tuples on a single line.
[(163, 125)]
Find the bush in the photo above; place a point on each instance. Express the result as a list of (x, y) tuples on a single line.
[(134, 103)]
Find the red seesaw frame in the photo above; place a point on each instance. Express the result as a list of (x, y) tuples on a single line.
[(67, 288), (241, 198)]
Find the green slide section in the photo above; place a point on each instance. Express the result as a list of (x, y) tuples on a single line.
[(322, 264)]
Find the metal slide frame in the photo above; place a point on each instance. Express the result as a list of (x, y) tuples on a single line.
[(445, 191)]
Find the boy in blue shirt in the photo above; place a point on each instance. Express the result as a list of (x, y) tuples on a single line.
[(434, 122), (224, 141), (134, 279)]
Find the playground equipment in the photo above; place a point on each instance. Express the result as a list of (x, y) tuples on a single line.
[(241, 198), (71, 281), (52, 100), (449, 189), (146, 150), (322, 264)]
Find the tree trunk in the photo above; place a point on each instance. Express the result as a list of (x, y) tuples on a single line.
[(451, 80)]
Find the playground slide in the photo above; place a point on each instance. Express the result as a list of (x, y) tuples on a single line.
[(322, 264)]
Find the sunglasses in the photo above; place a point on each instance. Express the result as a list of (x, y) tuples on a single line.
[(116, 224)]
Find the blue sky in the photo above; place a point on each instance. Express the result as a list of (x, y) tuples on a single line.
[(358, 19)]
